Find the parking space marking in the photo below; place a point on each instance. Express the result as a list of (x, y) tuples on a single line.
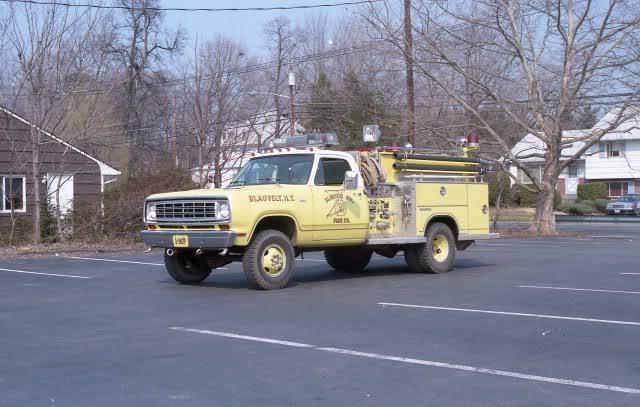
[(630, 274), (109, 260), (423, 362), (322, 261), (121, 261), (517, 314), (44, 274), (543, 244), (579, 289)]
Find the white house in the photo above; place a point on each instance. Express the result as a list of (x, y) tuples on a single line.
[(615, 160), (242, 140)]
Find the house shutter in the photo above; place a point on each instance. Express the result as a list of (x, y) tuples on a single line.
[(603, 149)]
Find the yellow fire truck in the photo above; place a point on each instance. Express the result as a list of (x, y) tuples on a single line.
[(300, 197)]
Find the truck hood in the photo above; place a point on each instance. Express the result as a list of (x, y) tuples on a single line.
[(216, 192), (191, 194)]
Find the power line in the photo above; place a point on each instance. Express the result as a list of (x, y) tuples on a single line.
[(116, 7)]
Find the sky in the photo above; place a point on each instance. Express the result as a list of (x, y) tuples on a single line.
[(245, 26)]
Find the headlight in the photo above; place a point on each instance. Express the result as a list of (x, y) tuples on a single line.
[(224, 211), (151, 212)]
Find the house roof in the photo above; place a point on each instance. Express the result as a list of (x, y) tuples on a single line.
[(627, 130), (105, 169), (530, 144)]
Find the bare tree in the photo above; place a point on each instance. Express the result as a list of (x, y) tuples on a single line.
[(49, 48), (280, 39), (141, 45), (214, 103), (547, 57)]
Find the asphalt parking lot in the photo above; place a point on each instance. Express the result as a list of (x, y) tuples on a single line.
[(518, 322)]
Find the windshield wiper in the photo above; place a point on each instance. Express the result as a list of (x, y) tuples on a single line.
[(273, 180), (238, 182)]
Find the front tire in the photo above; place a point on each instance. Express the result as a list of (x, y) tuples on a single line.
[(186, 269), (352, 259), (269, 260), (436, 255)]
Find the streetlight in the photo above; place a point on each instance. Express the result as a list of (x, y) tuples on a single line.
[(254, 93), (292, 82)]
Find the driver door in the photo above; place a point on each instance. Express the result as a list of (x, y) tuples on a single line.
[(340, 215)]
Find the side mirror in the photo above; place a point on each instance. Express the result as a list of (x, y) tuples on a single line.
[(350, 180)]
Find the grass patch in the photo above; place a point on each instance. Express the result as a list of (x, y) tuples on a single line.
[(520, 215)]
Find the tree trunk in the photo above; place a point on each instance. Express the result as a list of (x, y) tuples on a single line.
[(201, 163), (35, 176), (497, 207), (544, 221), (217, 162)]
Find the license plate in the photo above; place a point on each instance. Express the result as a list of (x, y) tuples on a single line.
[(180, 241), (617, 211)]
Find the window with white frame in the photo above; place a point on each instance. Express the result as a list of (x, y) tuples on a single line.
[(611, 149), (618, 188), (536, 172), (14, 193), (573, 170)]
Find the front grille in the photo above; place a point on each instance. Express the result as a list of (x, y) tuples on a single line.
[(186, 211)]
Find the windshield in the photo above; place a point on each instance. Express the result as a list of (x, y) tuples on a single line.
[(630, 198), (293, 169)]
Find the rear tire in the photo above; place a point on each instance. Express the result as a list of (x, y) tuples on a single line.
[(187, 269), (269, 260), (351, 259), (437, 254)]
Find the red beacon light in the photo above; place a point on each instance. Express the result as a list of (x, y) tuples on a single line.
[(472, 139)]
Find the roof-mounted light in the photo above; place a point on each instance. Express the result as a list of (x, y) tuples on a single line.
[(307, 140)]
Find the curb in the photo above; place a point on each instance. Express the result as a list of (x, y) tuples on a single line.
[(598, 219)]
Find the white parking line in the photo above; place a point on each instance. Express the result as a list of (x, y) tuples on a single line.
[(579, 289), (44, 274), (121, 261), (515, 375), (543, 244), (109, 260), (630, 274), (322, 261), (518, 314), (616, 236)]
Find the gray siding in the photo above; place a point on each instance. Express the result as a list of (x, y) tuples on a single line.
[(16, 159)]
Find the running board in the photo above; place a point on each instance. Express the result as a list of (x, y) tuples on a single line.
[(395, 240), (486, 236), (379, 241)]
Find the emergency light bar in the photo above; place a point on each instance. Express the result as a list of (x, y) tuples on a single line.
[(315, 140)]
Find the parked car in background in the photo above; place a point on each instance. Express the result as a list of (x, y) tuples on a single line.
[(628, 204)]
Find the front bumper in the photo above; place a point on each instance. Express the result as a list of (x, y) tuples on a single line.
[(214, 239), (621, 211)]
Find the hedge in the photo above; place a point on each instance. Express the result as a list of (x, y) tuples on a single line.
[(601, 205), (521, 196), (592, 191), (576, 209)]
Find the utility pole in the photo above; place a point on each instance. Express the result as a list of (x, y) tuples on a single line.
[(408, 56), (292, 84)]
